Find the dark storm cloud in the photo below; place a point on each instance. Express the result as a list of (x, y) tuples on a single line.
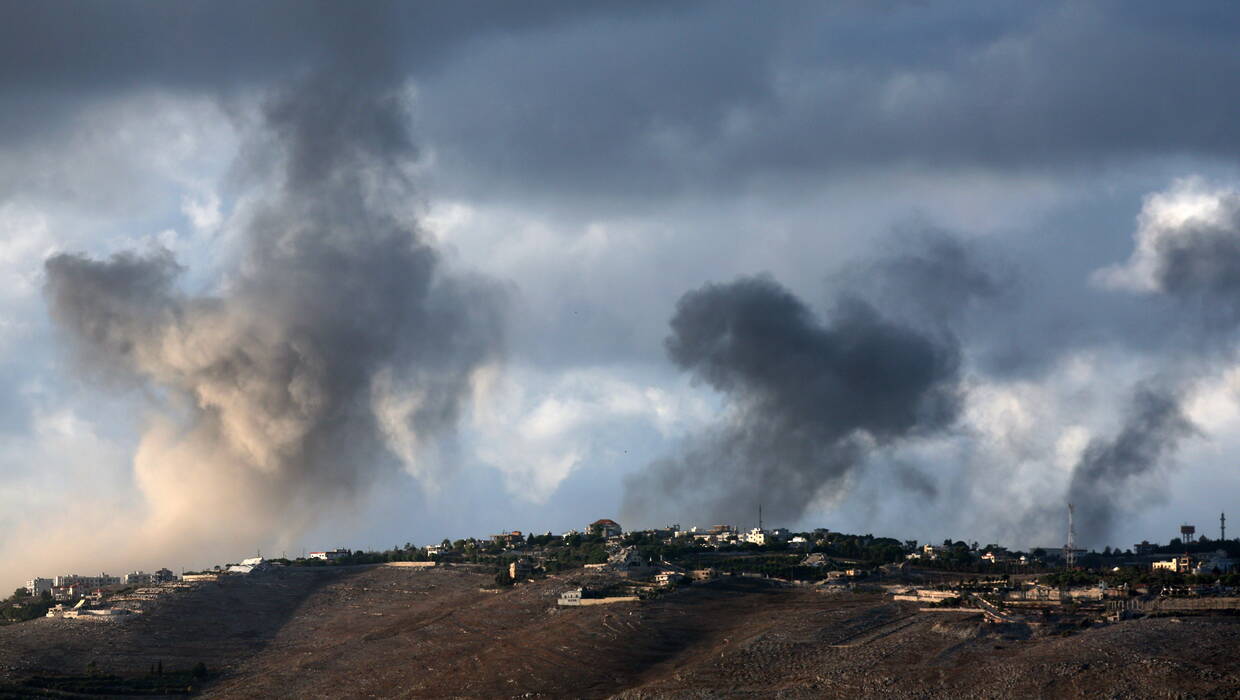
[(56, 57), (806, 400), (1113, 475), (338, 335), (625, 97), (100, 45), (732, 95)]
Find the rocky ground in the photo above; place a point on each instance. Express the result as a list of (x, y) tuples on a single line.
[(402, 632)]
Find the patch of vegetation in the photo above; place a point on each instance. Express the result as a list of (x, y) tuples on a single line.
[(21, 607)]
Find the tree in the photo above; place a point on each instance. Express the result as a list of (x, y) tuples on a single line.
[(200, 670), (503, 579)]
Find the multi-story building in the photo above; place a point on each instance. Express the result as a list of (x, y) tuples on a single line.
[(87, 581), (1181, 565), (756, 536), (139, 578), (605, 527), (39, 586)]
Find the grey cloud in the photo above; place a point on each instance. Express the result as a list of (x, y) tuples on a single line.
[(806, 401), (94, 44), (658, 104), (617, 98), (932, 279)]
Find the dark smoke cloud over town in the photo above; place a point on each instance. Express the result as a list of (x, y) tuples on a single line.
[(313, 274), (806, 400)]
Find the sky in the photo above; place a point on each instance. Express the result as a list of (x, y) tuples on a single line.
[(284, 276)]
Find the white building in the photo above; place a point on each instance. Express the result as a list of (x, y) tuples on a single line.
[(330, 555), (668, 575), (755, 536), (139, 578), (87, 581), (253, 565), (38, 586)]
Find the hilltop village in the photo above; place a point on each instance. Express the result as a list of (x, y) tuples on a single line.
[(603, 564), (702, 610)]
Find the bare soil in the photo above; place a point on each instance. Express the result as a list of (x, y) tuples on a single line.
[(403, 632)]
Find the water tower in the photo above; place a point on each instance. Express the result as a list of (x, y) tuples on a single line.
[(1188, 533)]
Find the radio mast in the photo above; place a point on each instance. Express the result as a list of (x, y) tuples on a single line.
[(1069, 549)]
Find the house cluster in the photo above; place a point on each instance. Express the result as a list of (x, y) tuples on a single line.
[(990, 554), (1216, 562), (73, 587), (728, 536)]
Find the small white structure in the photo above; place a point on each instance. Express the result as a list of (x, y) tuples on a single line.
[(253, 565), (330, 555), (669, 574), (572, 597)]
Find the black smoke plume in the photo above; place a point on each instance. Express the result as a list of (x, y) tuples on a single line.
[(1113, 475), (806, 401)]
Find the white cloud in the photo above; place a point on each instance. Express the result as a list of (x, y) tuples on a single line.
[(1189, 205), (537, 428)]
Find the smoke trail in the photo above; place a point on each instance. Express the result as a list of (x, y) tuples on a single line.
[(806, 401), (338, 341), (1113, 472)]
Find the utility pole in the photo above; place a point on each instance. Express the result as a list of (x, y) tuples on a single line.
[(759, 517)]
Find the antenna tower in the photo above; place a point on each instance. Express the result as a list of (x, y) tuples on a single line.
[(1069, 549), (1222, 526), (759, 516)]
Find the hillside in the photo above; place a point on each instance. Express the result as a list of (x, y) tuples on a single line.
[(401, 632)]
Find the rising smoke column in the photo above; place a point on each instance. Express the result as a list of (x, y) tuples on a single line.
[(1122, 469), (338, 343), (1187, 250), (806, 401)]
